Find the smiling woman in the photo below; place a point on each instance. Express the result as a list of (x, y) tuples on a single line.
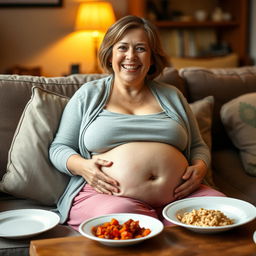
[(150, 151)]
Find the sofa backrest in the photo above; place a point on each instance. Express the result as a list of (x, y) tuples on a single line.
[(15, 92), (224, 85)]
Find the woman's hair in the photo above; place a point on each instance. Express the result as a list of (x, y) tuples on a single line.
[(116, 32)]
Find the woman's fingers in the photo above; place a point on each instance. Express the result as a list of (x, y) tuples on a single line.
[(191, 183), (188, 173), (185, 189), (106, 188), (103, 162), (100, 188), (102, 182)]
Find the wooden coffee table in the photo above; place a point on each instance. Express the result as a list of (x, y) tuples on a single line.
[(172, 241)]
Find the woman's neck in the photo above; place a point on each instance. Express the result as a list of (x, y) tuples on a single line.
[(130, 93), (133, 90)]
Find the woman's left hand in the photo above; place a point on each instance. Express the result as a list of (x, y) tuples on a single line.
[(192, 178)]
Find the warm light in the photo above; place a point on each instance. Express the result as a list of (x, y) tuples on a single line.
[(95, 16)]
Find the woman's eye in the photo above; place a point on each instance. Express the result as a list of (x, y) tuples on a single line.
[(140, 49), (122, 48)]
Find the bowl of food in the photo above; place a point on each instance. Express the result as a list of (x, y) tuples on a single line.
[(209, 214), (121, 229)]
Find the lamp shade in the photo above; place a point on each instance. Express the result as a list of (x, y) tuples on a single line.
[(94, 16)]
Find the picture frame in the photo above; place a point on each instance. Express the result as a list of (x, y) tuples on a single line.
[(31, 3)]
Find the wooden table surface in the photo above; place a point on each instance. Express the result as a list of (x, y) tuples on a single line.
[(176, 241)]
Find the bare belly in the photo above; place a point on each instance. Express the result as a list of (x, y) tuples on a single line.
[(146, 171)]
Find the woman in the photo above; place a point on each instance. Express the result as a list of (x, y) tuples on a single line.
[(130, 144)]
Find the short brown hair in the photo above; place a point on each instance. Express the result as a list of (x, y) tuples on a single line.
[(118, 30)]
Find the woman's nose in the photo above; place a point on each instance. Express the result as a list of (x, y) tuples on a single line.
[(131, 54)]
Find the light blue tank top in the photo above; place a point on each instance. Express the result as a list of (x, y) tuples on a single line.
[(111, 129)]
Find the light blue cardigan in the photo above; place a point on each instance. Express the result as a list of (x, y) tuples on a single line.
[(84, 107)]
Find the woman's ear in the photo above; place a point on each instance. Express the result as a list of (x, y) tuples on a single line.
[(110, 61), (152, 69)]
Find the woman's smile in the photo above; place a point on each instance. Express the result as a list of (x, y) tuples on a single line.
[(131, 67)]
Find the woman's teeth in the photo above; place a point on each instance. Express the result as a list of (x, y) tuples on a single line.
[(130, 67)]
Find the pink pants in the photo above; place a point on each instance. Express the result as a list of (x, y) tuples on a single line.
[(89, 203)]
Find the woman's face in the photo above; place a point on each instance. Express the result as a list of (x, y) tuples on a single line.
[(131, 57)]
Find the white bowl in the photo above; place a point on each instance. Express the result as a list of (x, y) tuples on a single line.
[(153, 224), (239, 211)]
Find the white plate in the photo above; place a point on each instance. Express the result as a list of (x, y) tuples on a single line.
[(254, 237), (24, 223), (153, 224), (239, 211)]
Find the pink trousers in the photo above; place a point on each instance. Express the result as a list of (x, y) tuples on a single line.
[(89, 203)]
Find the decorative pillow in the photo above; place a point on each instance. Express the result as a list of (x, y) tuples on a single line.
[(239, 118), (29, 172), (202, 110)]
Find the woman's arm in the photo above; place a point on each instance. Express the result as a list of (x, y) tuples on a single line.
[(199, 158), (65, 154), (66, 141)]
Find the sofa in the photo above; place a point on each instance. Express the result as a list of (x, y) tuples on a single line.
[(31, 106)]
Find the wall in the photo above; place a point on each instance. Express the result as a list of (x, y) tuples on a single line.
[(253, 31), (45, 37)]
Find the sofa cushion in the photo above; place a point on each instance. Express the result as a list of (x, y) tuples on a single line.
[(29, 171), (224, 85), (15, 92), (171, 76), (202, 110), (230, 177), (239, 119)]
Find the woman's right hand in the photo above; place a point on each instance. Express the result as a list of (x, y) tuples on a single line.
[(90, 170)]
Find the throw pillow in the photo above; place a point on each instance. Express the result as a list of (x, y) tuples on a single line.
[(29, 172), (203, 110), (239, 119)]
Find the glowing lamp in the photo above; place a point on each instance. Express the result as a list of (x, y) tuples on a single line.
[(95, 17)]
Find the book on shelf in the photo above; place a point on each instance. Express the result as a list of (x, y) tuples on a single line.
[(171, 42), (187, 42)]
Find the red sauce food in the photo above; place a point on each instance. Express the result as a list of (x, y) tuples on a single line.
[(113, 230)]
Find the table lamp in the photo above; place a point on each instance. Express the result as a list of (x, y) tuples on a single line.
[(95, 17)]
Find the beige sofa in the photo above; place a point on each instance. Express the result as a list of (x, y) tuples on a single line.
[(23, 114)]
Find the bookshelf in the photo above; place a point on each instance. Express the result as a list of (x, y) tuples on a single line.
[(194, 24), (232, 32)]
